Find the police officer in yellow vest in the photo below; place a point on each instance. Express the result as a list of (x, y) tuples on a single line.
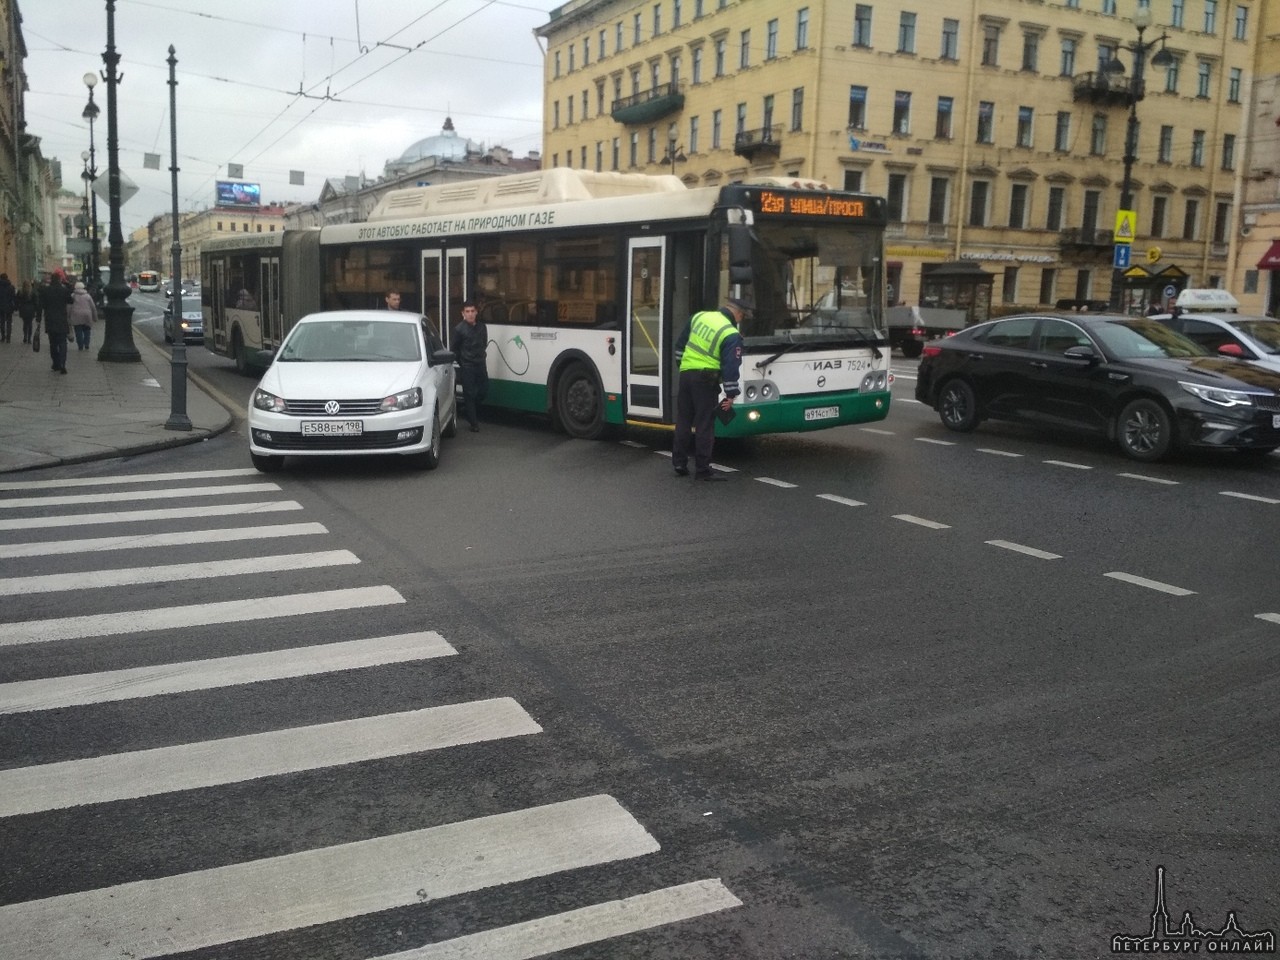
[(710, 353)]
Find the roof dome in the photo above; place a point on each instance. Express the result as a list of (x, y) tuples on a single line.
[(446, 145)]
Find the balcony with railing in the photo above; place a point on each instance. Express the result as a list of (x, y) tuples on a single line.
[(663, 100), (1085, 238), (759, 144), (1107, 89)]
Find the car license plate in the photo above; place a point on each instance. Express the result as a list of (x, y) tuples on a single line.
[(332, 428), (822, 413), (1275, 420)]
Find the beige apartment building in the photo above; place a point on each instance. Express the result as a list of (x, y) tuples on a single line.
[(996, 129)]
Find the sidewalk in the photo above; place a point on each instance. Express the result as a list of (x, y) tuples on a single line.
[(97, 410)]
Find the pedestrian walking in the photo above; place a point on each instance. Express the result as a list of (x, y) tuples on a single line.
[(83, 314), (8, 303), (471, 346), (55, 299), (28, 309), (710, 354)]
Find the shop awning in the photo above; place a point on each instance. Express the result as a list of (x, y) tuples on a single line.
[(1271, 259)]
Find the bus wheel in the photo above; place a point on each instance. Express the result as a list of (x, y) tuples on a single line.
[(238, 354), (579, 403)]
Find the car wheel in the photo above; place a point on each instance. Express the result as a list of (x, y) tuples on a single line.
[(238, 354), (266, 463), (429, 458), (912, 349), (451, 427), (1145, 430), (958, 406), (579, 403)]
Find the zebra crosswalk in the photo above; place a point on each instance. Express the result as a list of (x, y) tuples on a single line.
[(157, 913)]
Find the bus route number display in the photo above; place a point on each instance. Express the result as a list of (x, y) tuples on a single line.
[(811, 205)]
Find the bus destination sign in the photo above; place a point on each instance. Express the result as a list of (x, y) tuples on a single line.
[(811, 205)]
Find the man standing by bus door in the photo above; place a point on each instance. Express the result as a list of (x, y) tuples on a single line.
[(471, 346), (710, 353)]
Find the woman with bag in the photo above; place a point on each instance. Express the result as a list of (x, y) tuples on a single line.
[(83, 313)]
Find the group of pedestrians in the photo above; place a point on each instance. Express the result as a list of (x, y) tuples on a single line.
[(66, 312)]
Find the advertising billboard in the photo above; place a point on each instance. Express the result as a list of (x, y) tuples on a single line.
[(232, 194)]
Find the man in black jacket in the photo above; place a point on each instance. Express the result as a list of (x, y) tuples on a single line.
[(471, 345), (55, 297)]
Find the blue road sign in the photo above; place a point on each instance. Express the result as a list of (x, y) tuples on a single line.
[(1120, 260)]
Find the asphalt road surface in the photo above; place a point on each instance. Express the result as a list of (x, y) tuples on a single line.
[(888, 692)]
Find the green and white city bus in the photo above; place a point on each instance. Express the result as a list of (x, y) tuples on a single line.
[(586, 279)]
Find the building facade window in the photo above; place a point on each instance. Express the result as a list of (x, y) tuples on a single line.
[(1031, 52), (771, 40), (696, 64), (1067, 65), (1009, 288), (950, 40), (555, 70), (1164, 152), (797, 109), (1177, 13), (657, 19), (1159, 215), (655, 75), (802, 28), (635, 148), (555, 115), (1089, 214), (617, 152), (896, 199), (617, 37), (1055, 215), (677, 13), (1204, 76), (857, 108), (653, 144), (1098, 135), (1228, 151), (1171, 74), (1233, 84), (1108, 8), (1062, 132), (1106, 53), (1242, 23), (942, 129), (741, 125), (693, 134), (1210, 16), (1025, 133), (939, 190), (907, 32), (1221, 221), (853, 181), (1197, 148), (1190, 218), (862, 25), (902, 112), (766, 111), (717, 123), (990, 46), (721, 51), (586, 51), (744, 49), (1084, 284), (986, 121), (635, 30), (979, 193), (1018, 206), (600, 49), (1048, 284)]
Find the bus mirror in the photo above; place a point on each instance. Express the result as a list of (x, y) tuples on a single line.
[(739, 253)]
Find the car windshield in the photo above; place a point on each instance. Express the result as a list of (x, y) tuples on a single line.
[(1266, 332), (1139, 338), (351, 341)]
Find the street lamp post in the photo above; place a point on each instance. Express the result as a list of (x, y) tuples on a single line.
[(90, 175), (117, 345), (1137, 90), (178, 419), (674, 155)]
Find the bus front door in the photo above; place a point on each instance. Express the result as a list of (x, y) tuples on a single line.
[(444, 287), (646, 391)]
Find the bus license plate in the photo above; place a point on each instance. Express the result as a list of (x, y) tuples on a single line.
[(332, 428), (822, 413)]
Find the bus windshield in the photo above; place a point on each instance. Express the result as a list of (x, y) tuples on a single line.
[(814, 282)]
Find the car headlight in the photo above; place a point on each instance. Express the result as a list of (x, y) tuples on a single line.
[(405, 400), (267, 401), (1223, 398)]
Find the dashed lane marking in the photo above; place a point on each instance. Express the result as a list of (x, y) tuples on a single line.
[(940, 443), (883, 433), (777, 483), (1143, 476), (23, 696), (998, 453), (1150, 584), (1269, 617), (1247, 496), (921, 522), (1029, 551), (844, 500), (1068, 464)]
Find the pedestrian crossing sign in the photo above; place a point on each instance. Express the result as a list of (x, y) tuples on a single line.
[(1126, 224)]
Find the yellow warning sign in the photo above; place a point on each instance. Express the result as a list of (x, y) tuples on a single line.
[(1126, 224)]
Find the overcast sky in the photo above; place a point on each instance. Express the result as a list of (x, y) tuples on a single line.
[(375, 76)]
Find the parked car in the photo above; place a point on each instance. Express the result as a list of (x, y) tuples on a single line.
[(192, 324), (1130, 379), (351, 383)]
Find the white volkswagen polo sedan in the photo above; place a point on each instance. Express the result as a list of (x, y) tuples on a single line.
[(354, 382)]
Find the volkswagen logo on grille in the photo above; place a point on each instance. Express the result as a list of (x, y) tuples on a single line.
[(331, 408)]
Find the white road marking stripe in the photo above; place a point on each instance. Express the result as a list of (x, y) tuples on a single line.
[(663, 453), (886, 433), (128, 478), (1270, 617), (194, 615), (173, 493), (1150, 584), (777, 483), (167, 915), (211, 763), (724, 469), (1143, 476), (134, 516), (920, 521), (904, 399), (845, 500), (1068, 464), (940, 443), (1247, 496), (167, 573), (576, 928), (998, 453), (1029, 551), (632, 443), (23, 696), (140, 541)]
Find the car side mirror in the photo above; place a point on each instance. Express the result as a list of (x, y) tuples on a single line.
[(1231, 350), (1081, 352), (264, 358), (441, 357)]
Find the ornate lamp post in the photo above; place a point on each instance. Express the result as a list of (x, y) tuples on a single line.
[(178, 419), (674, 155), (1137, 90), (117, 342), (90, 113)]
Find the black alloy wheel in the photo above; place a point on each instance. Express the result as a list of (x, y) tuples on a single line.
[(1145, 430), (958, 406)]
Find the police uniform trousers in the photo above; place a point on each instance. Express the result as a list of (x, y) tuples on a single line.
[(697, 398)]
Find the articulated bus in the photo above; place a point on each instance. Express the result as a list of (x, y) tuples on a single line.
[(585, 281), (148, 281)]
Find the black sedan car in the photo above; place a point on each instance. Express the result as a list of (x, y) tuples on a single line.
[(1125, 378)]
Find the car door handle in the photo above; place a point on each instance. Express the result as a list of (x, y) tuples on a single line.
[(975, 356), (1039, 364)]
